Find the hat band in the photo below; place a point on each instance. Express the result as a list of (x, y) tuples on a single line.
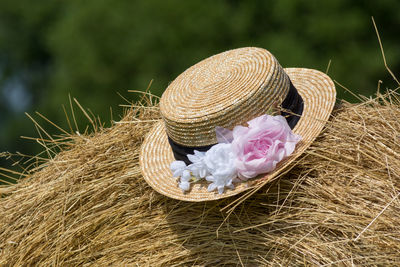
[(293, 103)]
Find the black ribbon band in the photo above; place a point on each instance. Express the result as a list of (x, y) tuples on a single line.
[(293, 106)]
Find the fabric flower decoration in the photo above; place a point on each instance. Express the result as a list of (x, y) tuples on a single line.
[(199, 167), (220, 162), (260, 146), (185, 180), (179, 169), (217, 165), (242, 153)]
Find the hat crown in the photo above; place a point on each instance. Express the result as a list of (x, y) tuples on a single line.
[(224, 90)]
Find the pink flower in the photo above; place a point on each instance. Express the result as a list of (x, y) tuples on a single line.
[(260, 146)]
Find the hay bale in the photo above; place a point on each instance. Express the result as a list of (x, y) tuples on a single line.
[(89, 205)]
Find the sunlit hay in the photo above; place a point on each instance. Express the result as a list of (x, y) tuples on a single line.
[(89, 205)]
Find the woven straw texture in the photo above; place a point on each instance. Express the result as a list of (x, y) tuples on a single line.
[(227, 89), (316, 89)]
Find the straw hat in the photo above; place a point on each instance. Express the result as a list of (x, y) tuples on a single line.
[(226, 90)]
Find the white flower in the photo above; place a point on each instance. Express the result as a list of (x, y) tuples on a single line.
[(220, 162), (185, 186), (180, 170), (219, 183), (177, 167), (198, 166), (186, 176), (184, 182)]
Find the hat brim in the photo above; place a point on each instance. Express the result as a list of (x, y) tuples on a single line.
[(319, 96)]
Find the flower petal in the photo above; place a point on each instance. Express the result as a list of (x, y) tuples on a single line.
[(185, 186), (210, 178), (177, 164), (186, 176), (203, 173), (177, 173), (256, 122), (199, 154), (230, 185), (223, 135), (239, 131), (220, 189), (211, 187), (192, 158)]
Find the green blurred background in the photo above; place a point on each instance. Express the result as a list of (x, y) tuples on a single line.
[(95, 49)]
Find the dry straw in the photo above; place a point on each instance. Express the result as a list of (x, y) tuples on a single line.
[(89, 205)]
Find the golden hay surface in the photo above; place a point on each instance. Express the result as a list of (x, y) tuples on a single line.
[(90, 205)]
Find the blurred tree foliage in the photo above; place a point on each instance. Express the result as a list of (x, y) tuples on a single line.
[(93, 49)]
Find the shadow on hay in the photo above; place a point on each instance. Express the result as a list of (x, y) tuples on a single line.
[(210, 231)]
